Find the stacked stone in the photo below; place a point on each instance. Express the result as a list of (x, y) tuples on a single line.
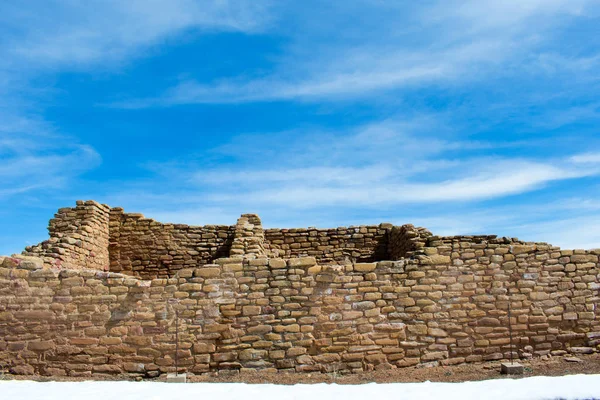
[(78, 238), (148, 249), (406, 240), (249, 237), (553, 295), (446, 243), (337, 245), (444, 306), (444, 302)]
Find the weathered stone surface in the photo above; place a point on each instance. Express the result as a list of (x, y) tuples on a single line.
[(210, 272), (251, 310), (512, 368), (302, 262), (277, 263), (284, 299), (365, 267), (522, 249), (435, 260)]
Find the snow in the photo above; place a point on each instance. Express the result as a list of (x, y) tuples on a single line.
[(563, 387)]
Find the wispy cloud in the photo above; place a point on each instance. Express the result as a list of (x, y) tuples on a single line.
[(58, 36), (300, 189), (445, 88), (74, 33), (378, 166), (457, 42), (35, 161), (587, 158)]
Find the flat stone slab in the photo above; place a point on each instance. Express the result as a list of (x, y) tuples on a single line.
[(508, 368), (176, 378), (573, 359)]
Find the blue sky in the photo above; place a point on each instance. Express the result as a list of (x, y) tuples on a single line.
[(467, 117)]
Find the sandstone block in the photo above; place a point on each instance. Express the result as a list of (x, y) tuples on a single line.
[(22, 370), (43, 345), (277, 263), (223, 357), (437, 332), (213, 328), (315, 270), (522, 249), (201, 348), (301, 262), (295, 351), (436, 259), (260, 329), (365, 267), (434, 356), (134, 367), (252, 354), (107, 369), (363, 305), (251, 310), (212, 272)]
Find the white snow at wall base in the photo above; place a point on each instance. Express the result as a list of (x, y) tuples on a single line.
[(564, 387)]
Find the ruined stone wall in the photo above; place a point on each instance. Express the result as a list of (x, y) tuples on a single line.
[(149, 249), (360, 243), (324, 306), (95, 236), (249, 237), (446, 305), (405, 240), (78, 238)]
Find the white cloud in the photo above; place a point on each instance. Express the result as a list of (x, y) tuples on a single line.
[(580, 232), (587, 158), (350, 176), (56, 36), (377, 166), (34, 162), (486, 15), (59, 33), (301, 189), (441, 43), (413, 180)]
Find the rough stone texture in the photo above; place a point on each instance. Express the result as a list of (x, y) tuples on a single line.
[(509, 368), (148, 249), (341, 245), (405, 240), (249, 238), (78, 238), (443, 301)]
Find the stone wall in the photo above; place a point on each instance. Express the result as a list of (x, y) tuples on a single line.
[(444, 305), (95, 236), (343, 245), (404, 241), (284, 299), (149, 249), (249, 237), (78, 238)]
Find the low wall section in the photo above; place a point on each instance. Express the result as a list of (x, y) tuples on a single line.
[(446, 304)]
